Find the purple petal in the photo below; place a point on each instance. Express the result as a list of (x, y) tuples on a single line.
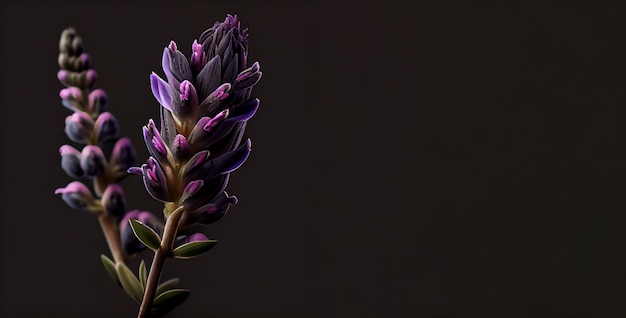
[(210, 77), (191, 188), (160, 90), (212, 122), (135, 170)]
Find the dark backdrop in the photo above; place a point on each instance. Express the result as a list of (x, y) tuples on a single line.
[(433, 159)]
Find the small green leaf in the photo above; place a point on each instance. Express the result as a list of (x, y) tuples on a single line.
[(129, 282), (145, 234), (143, 275), (169, 284), (193, 249), (168, 300), (109, 265)]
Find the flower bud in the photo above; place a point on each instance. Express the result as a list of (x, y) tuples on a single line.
[(198, 57), (79, 127), (114, 201), (209, 213), (72, 97), (78, 197), (181, 148), (154, 142), (122, 155), (70, 161), (106, 127), (98, 101), (155, 182), (92, 160), (190, 189), (248, 77)]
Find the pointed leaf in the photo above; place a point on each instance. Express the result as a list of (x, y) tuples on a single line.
[(167, 285), (143, 275), (109, 265), (129, 282), (193, 249), (145, 234), (168, 300)]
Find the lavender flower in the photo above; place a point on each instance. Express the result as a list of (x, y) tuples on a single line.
[(91, 126), (205, 103)]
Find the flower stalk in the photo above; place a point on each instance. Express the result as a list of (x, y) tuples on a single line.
[(205, 106)]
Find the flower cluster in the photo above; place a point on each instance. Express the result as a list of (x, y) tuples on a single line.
[(206, 104), (95, 128)]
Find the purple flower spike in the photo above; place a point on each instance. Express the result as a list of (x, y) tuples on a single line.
[(79, 127), (196, 237), (114, 201), (77, 196), (106, 127), (161, 91), (122, 155), (92, 160), (70, 161)]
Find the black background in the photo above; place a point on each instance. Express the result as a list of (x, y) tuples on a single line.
[(433, 159)]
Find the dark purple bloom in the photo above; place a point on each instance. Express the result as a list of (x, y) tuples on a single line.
[(70, 161), (155, 181), (106, 127), (114, 201), (206, 104), (78, 197), (211, 212), (92, 160), (98, 101), (181, 148), (79, 127), (122, 156), (155, 143)]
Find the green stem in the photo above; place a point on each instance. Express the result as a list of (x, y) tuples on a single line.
[(169, 235), (112, 235)]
